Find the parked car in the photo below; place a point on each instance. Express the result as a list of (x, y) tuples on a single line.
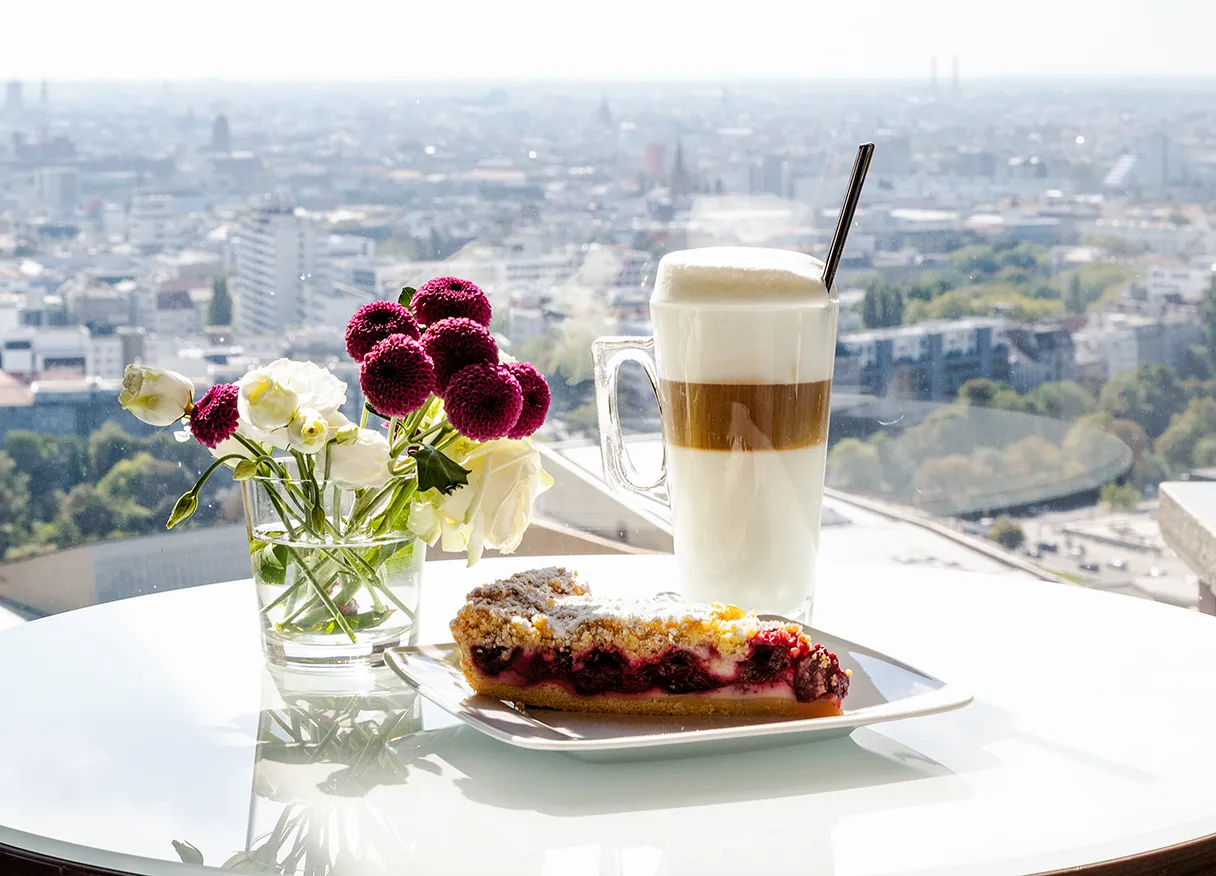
[(1090, 566), (1077, 550), (1154, 572), (1049, 546), (1034, 553), (1117, 563)]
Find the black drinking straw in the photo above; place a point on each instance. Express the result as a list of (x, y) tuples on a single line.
[(856, 180)]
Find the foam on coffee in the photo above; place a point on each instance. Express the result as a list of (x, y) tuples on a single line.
[(736, 314), (745, 341)]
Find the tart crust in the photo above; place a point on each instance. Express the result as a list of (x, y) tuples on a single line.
[(554, 696)]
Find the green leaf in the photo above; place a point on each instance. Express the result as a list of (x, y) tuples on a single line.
[(318, 518), (406, 296), (270, 564), (436, 471), (402, 561), (185, 506), (245, 469), (368, 619), (188, 853)]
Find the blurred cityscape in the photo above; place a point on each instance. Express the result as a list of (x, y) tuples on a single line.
[(1027, 304)]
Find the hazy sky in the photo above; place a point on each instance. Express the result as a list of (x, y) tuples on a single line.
[(450, 39)]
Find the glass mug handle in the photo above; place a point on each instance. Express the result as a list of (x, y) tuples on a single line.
[(608, 354)]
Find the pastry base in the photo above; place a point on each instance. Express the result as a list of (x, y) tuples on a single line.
[(554, 696)]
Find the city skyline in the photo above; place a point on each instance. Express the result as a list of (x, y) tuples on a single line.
[(375, 41)]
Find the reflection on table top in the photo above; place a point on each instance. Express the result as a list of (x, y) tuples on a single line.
[(134, 724)]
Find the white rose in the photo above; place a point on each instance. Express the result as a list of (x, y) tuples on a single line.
[(424, 520), (265, 402), (308, 431), (495, 507), (363, 463), (159, 398), (314, 386)]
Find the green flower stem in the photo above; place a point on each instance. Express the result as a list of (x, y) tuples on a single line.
[(373, 589), (324, 597), (447, 440), (211, 469), (392, 597), (281, 598), (281, 509), (433, 430)]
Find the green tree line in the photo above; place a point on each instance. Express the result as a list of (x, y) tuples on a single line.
[(58, 491), (1168, 424), (1006, 277)]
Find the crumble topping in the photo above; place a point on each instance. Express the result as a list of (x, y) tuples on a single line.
[(548, 607)]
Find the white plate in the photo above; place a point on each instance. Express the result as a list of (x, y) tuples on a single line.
[(881, 689)]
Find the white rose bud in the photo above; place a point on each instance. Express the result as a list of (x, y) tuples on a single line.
[(361, 464), (264, 402), (308, 431), (159, 398)]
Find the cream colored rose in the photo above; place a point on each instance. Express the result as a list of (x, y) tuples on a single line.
[(159, 398), (308, 431), (359, 464), (265, 402), (494, 509)]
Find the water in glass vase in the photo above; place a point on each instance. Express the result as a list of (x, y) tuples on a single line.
[(335, 584)]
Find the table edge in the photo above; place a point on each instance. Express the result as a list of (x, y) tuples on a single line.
[(1188, 858)]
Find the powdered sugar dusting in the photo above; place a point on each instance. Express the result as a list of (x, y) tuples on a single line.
[(550, 607)]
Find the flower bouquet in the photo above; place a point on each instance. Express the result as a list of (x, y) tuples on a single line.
[(339, 513)]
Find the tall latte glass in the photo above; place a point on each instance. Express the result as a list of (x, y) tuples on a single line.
[(741, 359)]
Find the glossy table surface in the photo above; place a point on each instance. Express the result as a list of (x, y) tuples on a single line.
[(134, 724)]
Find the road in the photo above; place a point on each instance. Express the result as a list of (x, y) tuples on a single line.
[(1149, 569)]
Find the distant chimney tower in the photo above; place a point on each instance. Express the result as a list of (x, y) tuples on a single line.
[(933, 75), (955, 75)]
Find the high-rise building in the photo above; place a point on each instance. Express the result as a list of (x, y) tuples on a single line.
[(221, 137), (58, 187), (681, 180), (12, 100), (150, 224), (770, 177), (653, 158), (276, 256)]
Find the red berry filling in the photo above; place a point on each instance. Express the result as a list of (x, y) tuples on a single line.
[(777, 657)]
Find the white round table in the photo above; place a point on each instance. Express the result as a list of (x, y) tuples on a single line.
[(133, 724)]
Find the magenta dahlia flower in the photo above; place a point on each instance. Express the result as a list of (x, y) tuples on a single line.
[(536, 399), (455, 343), (397, 376), (484, 401), (214, 418), (374, 322), (450, 296)]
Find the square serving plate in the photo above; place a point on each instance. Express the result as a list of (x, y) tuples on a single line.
[(881, 689)]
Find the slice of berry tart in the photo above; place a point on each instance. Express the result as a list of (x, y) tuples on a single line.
[(541, 639)]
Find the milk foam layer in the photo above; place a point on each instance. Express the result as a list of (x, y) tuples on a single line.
[(743, 315), (747, 525), (727, 274)]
